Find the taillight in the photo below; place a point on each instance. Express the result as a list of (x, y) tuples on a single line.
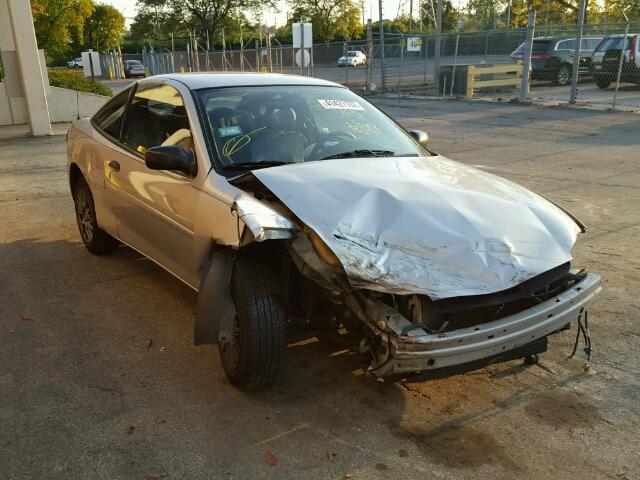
[(632, 52), (540, 57)]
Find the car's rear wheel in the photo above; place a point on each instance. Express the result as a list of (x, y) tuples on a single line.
[(254, 356), (563, 75), (603, 82), (94, 238)]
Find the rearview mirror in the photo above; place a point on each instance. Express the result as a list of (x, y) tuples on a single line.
[(419, 136), (171, 157)]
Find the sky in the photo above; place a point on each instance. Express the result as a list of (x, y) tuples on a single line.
[(390, 9)]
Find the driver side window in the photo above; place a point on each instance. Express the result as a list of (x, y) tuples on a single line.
[(157, 116)]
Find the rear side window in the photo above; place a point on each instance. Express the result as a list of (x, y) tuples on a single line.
[(613, 42), (109, 118), (566, 44), (539, 46), (157, 116)]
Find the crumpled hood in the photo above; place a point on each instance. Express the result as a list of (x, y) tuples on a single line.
[(425, 225)]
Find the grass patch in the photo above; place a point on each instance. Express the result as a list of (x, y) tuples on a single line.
[(74, 81)]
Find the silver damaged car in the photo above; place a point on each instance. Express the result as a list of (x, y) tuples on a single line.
[(288, 201)]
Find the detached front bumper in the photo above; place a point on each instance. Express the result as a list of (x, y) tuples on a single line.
[(467, 345)]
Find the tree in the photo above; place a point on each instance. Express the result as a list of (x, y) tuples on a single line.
[(59, 24), (159, 18), (331, 19), (615, 8), (104, 29), (449, 15)]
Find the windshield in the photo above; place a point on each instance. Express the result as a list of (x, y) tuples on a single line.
[(352, 54), (258, 126)]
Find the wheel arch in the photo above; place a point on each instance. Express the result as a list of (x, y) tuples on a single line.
[(74, 174)]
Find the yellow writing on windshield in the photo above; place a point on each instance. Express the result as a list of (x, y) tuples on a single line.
[(235, 144)]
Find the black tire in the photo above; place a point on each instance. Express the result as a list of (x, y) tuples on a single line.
[(94, 238), (563, 75), (256, 354), (602, 82)]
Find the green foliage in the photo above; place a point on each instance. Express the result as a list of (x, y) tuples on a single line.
[(615, 8), (104, 29), (66, 27), (59, 23), (449, 16), (75, 81), (331, 19), (157, 19)]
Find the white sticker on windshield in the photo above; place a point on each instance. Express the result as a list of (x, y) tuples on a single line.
[(340, 105)]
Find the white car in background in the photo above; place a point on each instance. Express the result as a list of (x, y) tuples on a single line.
[(75, 63), (352, 59)]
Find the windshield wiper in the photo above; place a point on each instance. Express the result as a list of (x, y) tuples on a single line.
[(361, 153), (262, 164)]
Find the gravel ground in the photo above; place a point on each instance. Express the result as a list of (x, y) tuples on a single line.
[(99, 377)]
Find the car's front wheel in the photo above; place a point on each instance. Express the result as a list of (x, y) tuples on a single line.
[(94, 238), (254, 355)]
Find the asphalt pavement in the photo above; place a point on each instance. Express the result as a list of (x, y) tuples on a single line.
[(99, 377)]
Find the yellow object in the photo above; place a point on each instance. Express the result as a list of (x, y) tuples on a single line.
[(510, 75), (181, 69)]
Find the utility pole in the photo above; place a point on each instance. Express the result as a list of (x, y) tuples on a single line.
[(524, 84), (576, 53)]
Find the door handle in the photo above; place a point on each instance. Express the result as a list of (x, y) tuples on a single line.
[(112, 164)]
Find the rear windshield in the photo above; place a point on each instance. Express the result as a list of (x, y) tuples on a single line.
[(613, 42), (539, 46), (134, 62)]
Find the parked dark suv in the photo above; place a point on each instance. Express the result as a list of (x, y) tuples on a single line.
[(605, 61), (552, 57)]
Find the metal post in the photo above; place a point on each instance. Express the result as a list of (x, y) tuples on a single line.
[(576, 53), (524, 83), (383, 79), (455, 62), (302, 48), (401, 61), (346, 67), (369, 55), (624, 46), (426, 55), (436, 58)]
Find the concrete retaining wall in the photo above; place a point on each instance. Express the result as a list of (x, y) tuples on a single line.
[(68, 105), (64, 106)]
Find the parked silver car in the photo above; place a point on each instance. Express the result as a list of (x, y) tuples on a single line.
[(284, 199)]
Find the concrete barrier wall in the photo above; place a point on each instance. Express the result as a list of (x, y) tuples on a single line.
[(64, 106), (68, 105)]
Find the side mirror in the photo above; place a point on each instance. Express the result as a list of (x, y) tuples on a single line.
[(419, 136), (171, 157)]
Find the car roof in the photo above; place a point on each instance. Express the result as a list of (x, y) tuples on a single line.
[(196, 81)]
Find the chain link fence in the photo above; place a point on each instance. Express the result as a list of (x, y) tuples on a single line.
[(608, 75)]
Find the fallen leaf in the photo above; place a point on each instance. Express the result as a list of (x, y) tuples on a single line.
[(23, 317), (150, 343), (271, 458), (162, 349), (152, 476), (130, 430), (403, 453), (347, 475), (330, 455), (381, 466)]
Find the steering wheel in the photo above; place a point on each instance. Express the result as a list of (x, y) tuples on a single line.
[(337, 135)]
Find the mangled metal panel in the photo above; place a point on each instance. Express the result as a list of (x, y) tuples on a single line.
[(425, 225)]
